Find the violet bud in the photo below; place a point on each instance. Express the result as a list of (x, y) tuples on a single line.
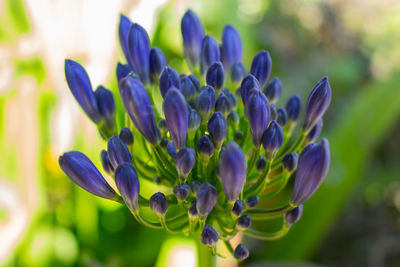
[(258, 114), (272, 139), (80, 86), (118, 152), (232, 170), (238, 71), (314, 133), (317, 103), (231, 98), (249, 82), (209, 236), (138, 106), (233, 119), (238, 208), (176, 116), (222, 104), (192, 210), (217, 127), (168, 78), (159, 204), (252, 201), (293, 216), (192, 33), (171, 150), (157, 63), (205, 148), (312, 168), (260, 164), (182, 191), (273, 90), (209, 52), (188, 89), (128, 185), (185, 161), (80, 169), (244, 222), (282, 116), (231, 48), (139, 51), (293, 108), (261, 67), (123, 70), (206, 102), (126, 136), (215, 76), (238, 136), (194, 122), (207, 197), (241, 252), (273, 112), (195, 82), (123, 32), (105, 162), (289, 161), (106, 106)]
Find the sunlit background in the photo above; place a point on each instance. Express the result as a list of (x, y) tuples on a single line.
[(45, 220)]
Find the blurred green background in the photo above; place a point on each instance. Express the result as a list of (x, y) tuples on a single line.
[(352, 220)]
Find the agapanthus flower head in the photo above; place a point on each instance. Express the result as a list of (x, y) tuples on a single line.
[(241, 252), (169, 79), (261, 67), (159, 204), (139, 51), (293, 216), (193, 34), (272, 139), (128, 185), (215, 75), (273, 90), (118, 152), (258, 113), (157, 63), (185, 161), (231, 47)]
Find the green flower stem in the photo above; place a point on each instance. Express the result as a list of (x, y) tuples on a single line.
[(167, 228), (253, 159), (141, 220), (267, 236), (229, 246), (266, 214), (282, 182), (259, 184), (169, 171)]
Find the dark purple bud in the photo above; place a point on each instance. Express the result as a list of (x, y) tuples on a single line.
[(80, 86), (185, 161), (171, 150), (222, 104), (232, 170), (169, 78), (205, 148), (261, 67), (126, 136), (293, 216), (217, 127), (123, 32), (138, 106), (209, 52), (244, 222), (182, 191), (192, 33), (105, 162), (248, 83), (188, 89), (157, 63), (314, 133), (139, 51), (273, 112), (293, 108), (313, 166), (260, 164), (192, 209), (206, 102), (162, 125), (82, 171), (194, 122), (118, 152), (238, 71), (209, 236), (159, 204), (176, 116), (238, 208), (272, 139), (289, 161), (123, 70), (258, 114), (215, 75), (207, 197), (195, 82), (231, 46), (273, 90), (252, 201), (282, 116), (241, 252), (231, 98), (238, 136), (128, 185), (106, 106), (233, 119)]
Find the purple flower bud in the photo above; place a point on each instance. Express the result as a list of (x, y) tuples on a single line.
[(80, 86), (118, 153), (209, 236), (314, 133), (222, 104), (128, 185), (188, 89), (162, 125), (194, 187), (192, 209), (238, 136), (238, 71), (123, 70), (209, 52), (106, 106), (182, 191), (293, 108), (258, 113), (217, 127), (238, 208), (273, 112), (289, 161), (282, 116), (123, 32), (252, 201), (105, 162), (233, 119), (185, 161), (159, 204), (272, 139), (205, 148), (176, 116), (293, 216), (273, 90), (241, 252), (312, 169), (157, 63), (126, 136), (244, 222), (261, 66), (231, 98), (249, 82), (260, 164), (206, 102), (195, 82), (231, 46), (207, 197), (215, 75), (317, 103), (171, 150), (192, 33), (82, 171), (138, 106), (164, 143), (139, 51), (194, 122), (169, 78), (232, 170)]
